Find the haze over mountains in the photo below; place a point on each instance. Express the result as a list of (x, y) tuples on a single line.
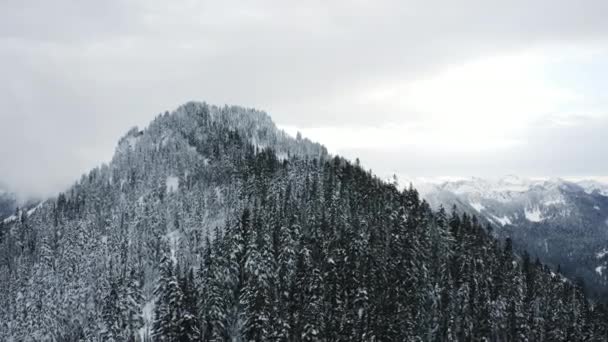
[(213, 225), (8, 203)]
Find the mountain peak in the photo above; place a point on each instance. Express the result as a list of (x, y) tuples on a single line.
[(193, 120)]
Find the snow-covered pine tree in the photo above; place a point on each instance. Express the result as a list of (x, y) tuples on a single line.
[(167, 319)]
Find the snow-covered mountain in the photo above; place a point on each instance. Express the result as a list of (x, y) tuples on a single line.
[(562, 222), (212, 225)]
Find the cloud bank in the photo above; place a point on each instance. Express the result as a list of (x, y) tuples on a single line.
[(421, 87)]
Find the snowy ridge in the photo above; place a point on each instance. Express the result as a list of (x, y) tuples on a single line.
[(511, 198), (594, 186)]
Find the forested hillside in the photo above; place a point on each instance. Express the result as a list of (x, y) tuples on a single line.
[(212, 225)]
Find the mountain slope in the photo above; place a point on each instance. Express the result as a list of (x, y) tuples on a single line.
[(211, 224), (561, 222)]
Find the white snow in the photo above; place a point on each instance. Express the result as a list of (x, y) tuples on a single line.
[(477, 206), (148, 316), (502, 190), (596, 207), (590, 186), (172, 183), (544, 192), (173, 244), (601, 253), (600, 269), (33, 210), (10, 219), (533, 215), (281, 156), (502, 220)]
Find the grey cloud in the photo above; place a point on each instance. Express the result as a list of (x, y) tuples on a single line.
[(65, 21), (76, 74), (550, 150), (579, 149)]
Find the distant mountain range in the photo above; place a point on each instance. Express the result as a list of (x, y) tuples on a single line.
[(562, 222)]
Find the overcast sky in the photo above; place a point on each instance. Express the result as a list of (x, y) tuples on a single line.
[(421, 88)]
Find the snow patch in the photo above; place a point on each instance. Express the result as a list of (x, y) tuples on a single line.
[(173, 238), (533, 215), (601, 253), (282, 156), (503, 221), (599, 270), (477, 206), (172, 184), (33, 210), (148, 316), (596, 207), (10, 219)]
